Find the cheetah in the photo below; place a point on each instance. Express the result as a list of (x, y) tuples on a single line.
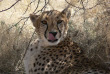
[(54, 52)]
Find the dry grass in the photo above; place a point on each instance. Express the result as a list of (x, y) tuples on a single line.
[(12, 44), (93, 32)]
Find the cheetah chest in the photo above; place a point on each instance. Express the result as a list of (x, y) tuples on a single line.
[(52, 60)]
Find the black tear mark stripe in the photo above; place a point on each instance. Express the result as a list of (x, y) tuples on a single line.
[(47, 25), (46, 32), (59, 30)]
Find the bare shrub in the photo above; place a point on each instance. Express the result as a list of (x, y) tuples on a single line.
[(93, 33), (12, 45)]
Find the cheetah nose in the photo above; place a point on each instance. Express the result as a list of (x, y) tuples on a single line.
[(53, 33)]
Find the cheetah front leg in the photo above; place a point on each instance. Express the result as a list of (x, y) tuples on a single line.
[(29, 57)]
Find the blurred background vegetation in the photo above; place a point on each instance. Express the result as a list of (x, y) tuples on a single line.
[(89, 27)]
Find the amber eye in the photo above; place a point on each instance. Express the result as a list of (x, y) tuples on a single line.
[(44, 22), (59, 21)]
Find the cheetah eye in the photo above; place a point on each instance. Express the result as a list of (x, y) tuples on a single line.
[(44, 22), (59, 21)]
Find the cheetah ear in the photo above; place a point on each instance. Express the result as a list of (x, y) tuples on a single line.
[(67, 11), (33, 17)]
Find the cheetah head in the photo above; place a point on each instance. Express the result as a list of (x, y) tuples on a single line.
[(51, 26)]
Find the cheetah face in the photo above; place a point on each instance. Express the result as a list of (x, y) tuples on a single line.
[(51, 26)]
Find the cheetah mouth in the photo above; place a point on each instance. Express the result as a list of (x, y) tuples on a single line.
[(51, 38)]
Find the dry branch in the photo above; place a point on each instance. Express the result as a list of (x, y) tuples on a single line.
[(23, 25), (28, 6), (16, 23), (10, 6), (72, 4), (46, 3), (37, 6)]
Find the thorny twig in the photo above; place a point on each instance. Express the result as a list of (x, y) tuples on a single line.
[(98, 3), (84, 18), (10, 6), (46, 3), (16, 23), (83, 7), (76, 12), (42, 7), (23, 25), (72, 4), (28, 6), (37, 6)]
